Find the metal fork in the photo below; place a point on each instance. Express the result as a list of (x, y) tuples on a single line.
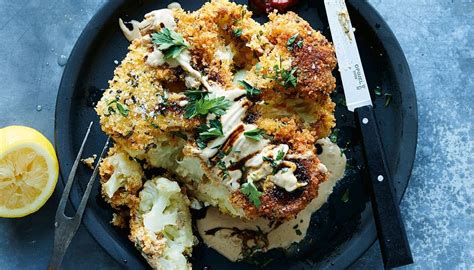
[(65, 226)]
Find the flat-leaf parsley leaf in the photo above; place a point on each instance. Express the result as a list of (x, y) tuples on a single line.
[(286, 78), (291, 41), (123, 110), (252, 193), (205, 105), (255, 134), (169, 42), (251, 91), (206, 133), (237, 32)]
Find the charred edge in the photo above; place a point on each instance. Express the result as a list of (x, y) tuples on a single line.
[(282, 195)]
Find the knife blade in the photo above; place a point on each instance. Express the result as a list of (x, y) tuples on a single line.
[(390, 229), (350, 66)]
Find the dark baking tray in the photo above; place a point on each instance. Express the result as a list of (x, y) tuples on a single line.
[(341, 231)]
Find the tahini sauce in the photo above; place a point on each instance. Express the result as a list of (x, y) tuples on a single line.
[(284, 235)]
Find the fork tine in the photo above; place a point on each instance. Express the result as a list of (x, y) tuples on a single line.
[(72, 174), (85, 198)]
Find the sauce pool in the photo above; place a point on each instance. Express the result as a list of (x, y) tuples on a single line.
[(234, 237)]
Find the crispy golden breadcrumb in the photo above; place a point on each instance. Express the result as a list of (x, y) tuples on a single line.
[(146, 112), (89, 162), (121, 178), (120, 219)]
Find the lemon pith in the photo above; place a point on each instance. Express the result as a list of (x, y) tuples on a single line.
[(28, 171)]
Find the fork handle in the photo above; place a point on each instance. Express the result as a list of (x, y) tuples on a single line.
[(390, 229)]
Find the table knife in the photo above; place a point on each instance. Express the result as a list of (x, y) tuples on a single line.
[(390, 229)]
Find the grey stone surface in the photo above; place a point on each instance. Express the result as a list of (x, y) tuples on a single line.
[(437, 37)]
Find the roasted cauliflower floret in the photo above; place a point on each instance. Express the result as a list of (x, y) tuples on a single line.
[(160, 225), (162, 153), (230, 107), (121, 177)]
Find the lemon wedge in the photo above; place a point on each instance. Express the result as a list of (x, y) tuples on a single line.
[(28, 171)]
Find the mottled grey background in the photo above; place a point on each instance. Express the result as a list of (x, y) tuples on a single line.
[(437, 37)]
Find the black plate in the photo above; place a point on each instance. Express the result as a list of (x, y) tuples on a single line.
[(341, 231)]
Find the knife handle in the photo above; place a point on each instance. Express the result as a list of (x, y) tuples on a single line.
[(390, 229)]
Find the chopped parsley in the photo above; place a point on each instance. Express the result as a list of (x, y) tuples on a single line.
[(212, 131), (334, 135), (255, 134), (299, 44), (291, 41), (388, 99), (251, 91), (237, 32), (205, 105), (275, 163), (280, 155), (206, 133), (252, 193), (163, 99), (225, 172), (217, 146), (123, 110), (345, 196), (298, 232), (378, 91), (195, 94), (221, 163), (169, 42), (285, 77)]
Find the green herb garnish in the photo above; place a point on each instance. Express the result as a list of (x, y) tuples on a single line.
[(237, 32), (195, 94), (280, 155), (275, 163), (217, 146), (169, 42), (388, 99), (206, 133), (252, 193), (299, 44), (212, 131), (291, 41), (345, 196), (255, 134), (378, 91), (225, 172), (298, 232), (221, 163), (251, 91), (123, 110), (334, 135), (285, 77), (205, 105)]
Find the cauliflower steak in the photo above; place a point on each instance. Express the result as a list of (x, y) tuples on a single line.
[(229, 108)]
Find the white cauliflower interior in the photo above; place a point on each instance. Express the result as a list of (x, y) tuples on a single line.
[(162, 155), (161, 225), (121, 177)]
